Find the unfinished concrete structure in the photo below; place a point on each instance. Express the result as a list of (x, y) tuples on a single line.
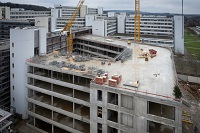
[(64, 96), (6, 121), (5, 73)]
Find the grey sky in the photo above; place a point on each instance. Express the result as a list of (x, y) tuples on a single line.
[(167, 6)]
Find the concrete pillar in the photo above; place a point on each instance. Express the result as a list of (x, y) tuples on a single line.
[(93, 110), (104, 110), (52, 115), (34, 121), (119, 113), (52, 128)]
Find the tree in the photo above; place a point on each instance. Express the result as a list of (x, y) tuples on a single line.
[(177, 92)]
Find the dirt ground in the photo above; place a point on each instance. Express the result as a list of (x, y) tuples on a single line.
[(193, 110)]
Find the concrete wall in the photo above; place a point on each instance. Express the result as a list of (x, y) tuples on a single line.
[(55, 13), (189, 78), (83, 11), (132, 109), (98, 28), (121, 23), (178, 35), (42, 21), (23, 49), (89, 20), (7, 12), (42, 41)]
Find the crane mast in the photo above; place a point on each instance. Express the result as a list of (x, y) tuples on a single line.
[(69, 38), (137, 21)]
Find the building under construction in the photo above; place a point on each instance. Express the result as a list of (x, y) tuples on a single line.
[(106, 85), (6, 121), (4, 73)]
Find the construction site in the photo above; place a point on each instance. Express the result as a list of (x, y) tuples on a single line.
[(106, 85), (72, 81)]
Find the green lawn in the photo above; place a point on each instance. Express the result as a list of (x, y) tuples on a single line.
[(192, 44)]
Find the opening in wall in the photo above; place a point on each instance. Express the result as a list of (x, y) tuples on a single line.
[(99, 128), (161, 110), (154, 127), (99, 112), (99, 95)]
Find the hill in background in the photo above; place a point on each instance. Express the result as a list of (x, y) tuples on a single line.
[(25, 6)]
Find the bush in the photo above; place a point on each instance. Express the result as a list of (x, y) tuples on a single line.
[(177, 92)]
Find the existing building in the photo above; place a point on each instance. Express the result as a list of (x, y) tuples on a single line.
[(21, 14), (63, 94), (78, 22), (6, 25), (24, 43), (156, 30), (5, 73), (4, 12), (65, 12), (102, 25), (151, 25)]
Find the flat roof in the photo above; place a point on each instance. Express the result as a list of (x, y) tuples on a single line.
[(156, 76)]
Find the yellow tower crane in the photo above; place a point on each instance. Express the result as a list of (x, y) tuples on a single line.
[(137, 21), (69, 38)]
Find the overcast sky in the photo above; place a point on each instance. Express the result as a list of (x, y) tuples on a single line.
[(161, 6)]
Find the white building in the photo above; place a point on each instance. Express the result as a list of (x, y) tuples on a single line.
[(4, 12), (156, 30), (121, 23), (179, 34), (104, 26), (78, 22), (65, 12), (22, 47), (21, 14), (45, 22), (151, 25)]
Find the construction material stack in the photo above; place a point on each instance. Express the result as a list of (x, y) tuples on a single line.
[(152, 53), (100, 79), (115, 79)]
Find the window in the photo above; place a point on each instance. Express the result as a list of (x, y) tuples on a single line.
[(13, 75), (99, 112), (12, 44), (13, 55), (99, 128), (13, 87), (99, 95), (13, 65), (13, 99)]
